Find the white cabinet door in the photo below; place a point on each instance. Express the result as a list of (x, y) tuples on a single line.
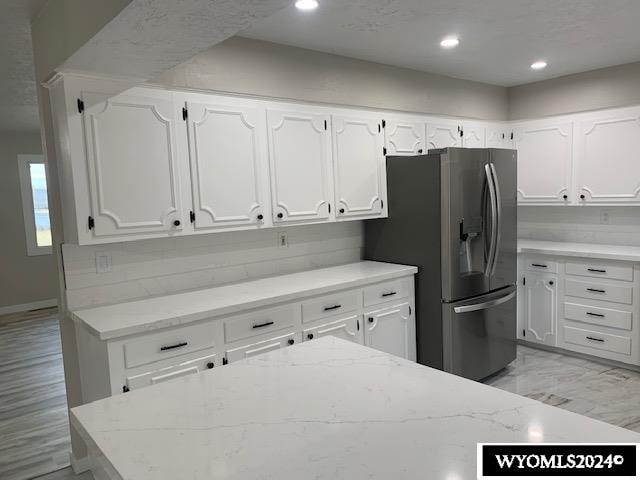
[(348, 328), (540, 297), (499, 136), (390, 330), (404, 138), (264, 346), (473, 135), (608, 158), (443, 135), (544, 161), (132, 163), (359, 166), (300, 161), (228, 182)]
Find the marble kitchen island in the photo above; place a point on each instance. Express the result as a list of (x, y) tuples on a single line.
[(325, 409)]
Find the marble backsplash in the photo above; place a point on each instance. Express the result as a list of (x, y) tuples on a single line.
[(602, 225), (155, 267)]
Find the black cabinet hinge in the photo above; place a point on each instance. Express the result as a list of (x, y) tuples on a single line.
[(91, 223), (325, 124), (381, 203), (225, 361), (185, 113), (379, 128), (384, 123), (410, 310), (461, 133), (524, 280), (384, 151), (192, 216), (80, 106), (125, 389), (358, 324), (329, 208), (511, 135), (524, 332)]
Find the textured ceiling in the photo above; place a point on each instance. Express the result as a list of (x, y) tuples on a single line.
[(17, 80), (499, 38)]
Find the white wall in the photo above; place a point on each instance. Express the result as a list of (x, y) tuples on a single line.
[(604, 88)]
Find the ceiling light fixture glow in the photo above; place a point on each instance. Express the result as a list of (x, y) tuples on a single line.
[(306, 4), (449, 42), (539, 65)]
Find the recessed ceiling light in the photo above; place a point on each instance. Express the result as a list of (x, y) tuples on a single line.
[(539, 65), (306, 4), (449, 42)]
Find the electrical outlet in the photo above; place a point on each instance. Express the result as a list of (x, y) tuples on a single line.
[(103, 262), (283, 240)]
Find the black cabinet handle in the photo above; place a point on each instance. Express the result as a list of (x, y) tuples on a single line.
[(310, 336), (599, 315), (172, 347), (260, 325), (370, 319), (596, 339), (326, 309), (280, 215), (260, 217), (596, 270), (176, 223), (341, 210), (125, 389), (210, 365), (291, 341), (389, 294), (539, 265), (597, 290)]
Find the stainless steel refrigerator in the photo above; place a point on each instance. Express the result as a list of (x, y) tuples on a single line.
[(453, 214)]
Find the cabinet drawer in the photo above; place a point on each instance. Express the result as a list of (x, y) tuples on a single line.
[(264, 346), (169, 343), (330, 305), (534, 265), (261, 322), (599, 291), (614, 272), (607, 317), (600, 341), (169, 373), (386, 291)]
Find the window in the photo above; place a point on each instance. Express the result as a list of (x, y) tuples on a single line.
[(35, 204)]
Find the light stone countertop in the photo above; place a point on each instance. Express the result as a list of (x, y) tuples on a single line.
[(129, 318), (627, 253), (325, 409)]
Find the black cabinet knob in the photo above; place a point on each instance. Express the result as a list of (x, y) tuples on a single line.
[(280, 215), (341, 210), (310, 336), (582, 197), (210, 365), (551, 282), (260, 217), (176, 223), (291, 341), (565, 196), (370, 319), (420, 150)]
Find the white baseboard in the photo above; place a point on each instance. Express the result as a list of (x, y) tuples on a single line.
[(25, 307), (79, 465)]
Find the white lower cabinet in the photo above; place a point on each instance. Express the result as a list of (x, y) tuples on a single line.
[(540, 298), (391, 330), (362, 315)]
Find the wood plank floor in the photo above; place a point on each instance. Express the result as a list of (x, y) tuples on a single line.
[(34, 425)]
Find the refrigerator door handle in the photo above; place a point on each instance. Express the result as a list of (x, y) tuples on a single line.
[(496, 184), (494, 220), (484, 305)]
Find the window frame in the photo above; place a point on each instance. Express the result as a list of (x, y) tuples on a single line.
[(28, 212)]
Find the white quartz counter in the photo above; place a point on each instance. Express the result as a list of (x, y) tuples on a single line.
[(325, 409), (627, 253), (159, 312)]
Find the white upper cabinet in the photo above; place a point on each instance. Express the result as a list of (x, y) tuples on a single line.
[(404, 138), (608, 157), (443, 135), (360, 184), (473, 135), (228, 181), (300, 161), (132, 164), (499, 136), (544, 161)]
